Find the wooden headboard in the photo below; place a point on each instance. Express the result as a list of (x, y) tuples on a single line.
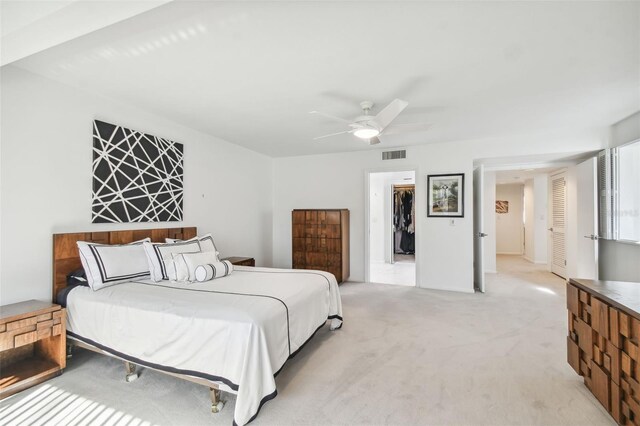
[(67, 259)]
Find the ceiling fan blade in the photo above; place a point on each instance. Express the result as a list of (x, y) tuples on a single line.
[(332, 134), (332, 117), (390, 112), (374, 141), (407, 128)]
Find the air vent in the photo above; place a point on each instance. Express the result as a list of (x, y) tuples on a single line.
[(394, 155)]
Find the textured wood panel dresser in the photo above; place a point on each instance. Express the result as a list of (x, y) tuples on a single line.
[(241, 261), (603, 343), (321, 241)]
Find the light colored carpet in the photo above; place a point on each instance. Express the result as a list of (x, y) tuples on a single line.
[(405, 356), (393, 273), (402, 272)]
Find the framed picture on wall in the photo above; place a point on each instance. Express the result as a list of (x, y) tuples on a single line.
[(502, 206), (445, 195)]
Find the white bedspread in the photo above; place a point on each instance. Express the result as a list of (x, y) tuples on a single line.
[(238, 330)]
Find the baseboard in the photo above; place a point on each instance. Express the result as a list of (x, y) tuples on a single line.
[(509, 253), (535, 262), (493, 271), (455, 290)]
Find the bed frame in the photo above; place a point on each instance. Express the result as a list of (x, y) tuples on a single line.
[(67, 259)]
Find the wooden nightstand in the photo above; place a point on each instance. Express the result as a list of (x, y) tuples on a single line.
[(32, 344), (241, 261)]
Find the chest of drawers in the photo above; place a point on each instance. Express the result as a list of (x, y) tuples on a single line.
[(603, 343), (321, 241)]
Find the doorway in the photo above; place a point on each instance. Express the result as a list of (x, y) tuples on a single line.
[(392, 228), (510, 216)]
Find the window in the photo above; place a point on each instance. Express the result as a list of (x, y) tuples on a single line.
[(627, 196)]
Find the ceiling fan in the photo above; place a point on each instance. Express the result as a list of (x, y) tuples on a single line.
[(372, 127)]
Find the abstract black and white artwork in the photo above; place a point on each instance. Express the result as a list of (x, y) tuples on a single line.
[(137, 177)]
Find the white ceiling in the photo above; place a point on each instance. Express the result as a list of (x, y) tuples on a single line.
[(31, 26), (249, 72), (19, 14), (520, 176)]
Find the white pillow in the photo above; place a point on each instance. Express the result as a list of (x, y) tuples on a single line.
[(185, 264), (206, 242), (211, 271), (160, 260), (107, 265)]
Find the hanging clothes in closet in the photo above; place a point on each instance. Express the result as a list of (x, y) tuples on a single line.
[(403, 220)]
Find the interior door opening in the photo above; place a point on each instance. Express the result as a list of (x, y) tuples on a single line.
[(543, 209), (512, 215), (392, 228)]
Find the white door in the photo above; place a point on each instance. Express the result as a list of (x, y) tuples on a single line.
[(558, 224), (478, 234), (587, 220)]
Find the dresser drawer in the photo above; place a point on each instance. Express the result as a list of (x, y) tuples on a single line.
[(45, 317), (25, 338), (297, 217), (318, 231), (334, 259), (298, 231), (299, 259), (23, 323), (318, 259), (22, 332), (333, 217)]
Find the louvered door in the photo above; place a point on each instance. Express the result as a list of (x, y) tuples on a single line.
[(558, 224), (607, 223)]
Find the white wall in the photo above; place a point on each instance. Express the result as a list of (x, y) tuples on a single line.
[(509, 225), (489, 222), (529, 222), (444, 253), (377, 223), (616, 260), (535, 227), (571, 224), (627, 130), (46, 145), (541, 233)]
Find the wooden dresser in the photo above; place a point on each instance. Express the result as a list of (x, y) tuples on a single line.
[(603, 343), (241, 261), (32, 344), (321, 241)]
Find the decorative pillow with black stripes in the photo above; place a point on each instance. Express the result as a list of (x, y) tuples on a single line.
[(107, 265)]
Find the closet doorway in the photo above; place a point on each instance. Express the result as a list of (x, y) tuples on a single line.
[(392, 228)]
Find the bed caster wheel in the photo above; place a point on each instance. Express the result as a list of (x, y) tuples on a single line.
[(216, 408), (131, 372), (69, 351), (216, 403)]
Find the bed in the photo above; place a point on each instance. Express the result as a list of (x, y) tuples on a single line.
[(232, 334)]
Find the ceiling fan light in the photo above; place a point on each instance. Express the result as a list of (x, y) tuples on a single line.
[(366, 133)]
